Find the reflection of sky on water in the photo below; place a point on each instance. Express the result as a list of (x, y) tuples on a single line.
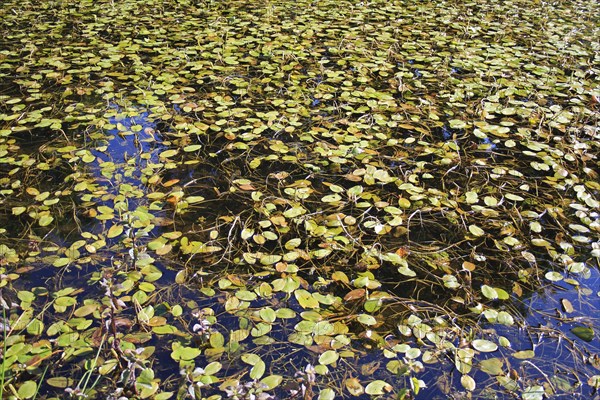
[(585, 300), (122, 154), (556, 357), (546, 324), (124, 144)]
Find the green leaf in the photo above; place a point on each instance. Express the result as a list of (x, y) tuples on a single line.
[(502, 294), (533, 393), (505, 318), (271, 381), (165, 330), (212, 368), (35, 327), (535, 226), (59, 382), (584, 333), (177, 310), (485, 346), (292, 243), (258, 370), (378, 387), (554, 276), (328, 357), (326, 394), (245, 295), (305, 299), (366, 319), (471, 197), (331, 198), (27, 390), (492, 366), (489, 292), (267, 314), (251, 358), (476, 231), (192, 147), (168, 153), (524, 354), (180, 352), (114, 231), (194, 199), (18, 210), (45, 220), (468, 383)]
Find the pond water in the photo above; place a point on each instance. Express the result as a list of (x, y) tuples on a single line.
[(298, 200)]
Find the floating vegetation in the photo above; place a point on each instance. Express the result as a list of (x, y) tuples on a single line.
[(278, 200)]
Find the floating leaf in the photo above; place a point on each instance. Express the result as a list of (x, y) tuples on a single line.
[(355, 294), (378, 387), (268, 314), (505, 318), (468, 382), (485, 346), (27, 390), (326, 394), (489, 292), (45, 220), (168, 153), (192, 147), (272, 381), (533, 393), (554, 276), (476, 231), (114, 231), (328, 357), (594, 381), (367, 319), (492, 366), (305, 299), (567, 306), (258, 370), (194, 199), (471, 197), (19, 210)]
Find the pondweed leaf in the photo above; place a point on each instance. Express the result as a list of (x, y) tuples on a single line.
[(188, 168), (305, 299), (523, 354), (114, 231), (476, 231), (492, 366), (484, 345), (468, 382), (489, 292), (272, 381), (378, 387), (27, 390), (583, 332), (328, 357)]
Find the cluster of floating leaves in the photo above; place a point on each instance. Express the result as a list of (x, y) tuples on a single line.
[(297, 199)]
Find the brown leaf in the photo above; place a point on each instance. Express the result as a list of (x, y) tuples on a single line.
[(353, 178), (247, 187), (403, 252), (170, 182), (370, 368), (355, 294), (469, 266)]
